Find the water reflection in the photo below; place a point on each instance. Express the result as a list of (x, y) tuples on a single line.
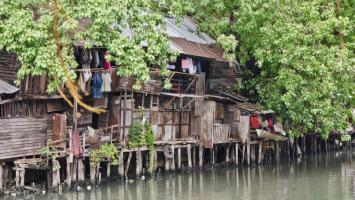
[(328, 176)]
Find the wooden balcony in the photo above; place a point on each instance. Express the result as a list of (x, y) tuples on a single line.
[(222, 132)]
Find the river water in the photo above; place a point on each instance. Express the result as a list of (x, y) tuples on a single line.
[(321, 177)]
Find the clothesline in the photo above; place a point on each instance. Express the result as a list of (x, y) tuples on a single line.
[(94, 70)]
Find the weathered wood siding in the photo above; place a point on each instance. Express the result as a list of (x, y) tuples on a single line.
[(21, 137)]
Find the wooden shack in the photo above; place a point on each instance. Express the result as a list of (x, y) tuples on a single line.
[(199, 112)]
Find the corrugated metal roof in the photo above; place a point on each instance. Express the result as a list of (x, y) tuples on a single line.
[(186, 29), (6, 88)]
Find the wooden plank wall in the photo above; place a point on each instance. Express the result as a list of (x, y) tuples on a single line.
[(207, 123), (21, 137)]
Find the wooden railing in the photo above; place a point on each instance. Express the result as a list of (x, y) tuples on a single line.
[(222, 132)]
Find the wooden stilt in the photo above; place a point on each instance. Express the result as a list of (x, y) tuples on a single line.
[(200, 155), (260, 155), (167, 164), (138, 163), (212, 155), (81, 170), (121, 165), (194, 156), (243, 153), (75, 170), (277, 150), (68, 172), (1, 175), (22, 175), (179, 158), (172, 164), (227, 154), (92, 172), (252, 153), (108, 170), (55, 173), (189, 163), (248, 153), (128, 163), (236, 160)]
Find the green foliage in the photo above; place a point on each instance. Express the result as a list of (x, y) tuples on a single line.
[(49, 152), (228, 44), (27, 29), (304, 52), (105, 151), (345, 138), (142, 135)]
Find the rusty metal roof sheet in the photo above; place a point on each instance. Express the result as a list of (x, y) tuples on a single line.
[(196, 49), (6, 88)]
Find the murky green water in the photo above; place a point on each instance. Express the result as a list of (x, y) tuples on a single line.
[(323, 177)]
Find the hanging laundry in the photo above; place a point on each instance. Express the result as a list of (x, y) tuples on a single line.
[(192, 67), (82, 56), (76, 147), (81, 83), (254, 121), (270, 121), (95, 58), (101, 53), (171, 67), (96, 86), (107, 64), (106, 82), (185, 64), (198, 67)]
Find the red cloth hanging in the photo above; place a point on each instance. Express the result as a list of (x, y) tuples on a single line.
[(270, 122), (107, 64), (254, 121), (76, 144)]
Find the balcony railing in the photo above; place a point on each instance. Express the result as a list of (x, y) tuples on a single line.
[(222, 132)]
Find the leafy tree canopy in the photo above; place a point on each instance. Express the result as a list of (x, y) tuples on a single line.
[(304, 51), (42, 32)]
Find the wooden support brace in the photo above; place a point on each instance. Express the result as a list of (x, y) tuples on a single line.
[(172, 164), (260, 155), (128, 163)]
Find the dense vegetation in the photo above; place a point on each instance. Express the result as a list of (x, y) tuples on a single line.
[(299, 56)]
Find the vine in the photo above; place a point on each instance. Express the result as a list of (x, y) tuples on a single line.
[(141, 134)]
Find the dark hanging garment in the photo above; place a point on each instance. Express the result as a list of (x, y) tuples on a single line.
[(97, 85), (101, 53), (95, 61)]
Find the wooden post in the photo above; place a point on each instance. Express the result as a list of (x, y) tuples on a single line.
[(260, 155), (189, 163), (227, 154), (81, 170), (128, 163), (55, 173), (194, 156), (179, 158), (200, 155), (75, 170), (138, 162), (68, 169), (243, 153), (252, 153), (121, 165), (212, 155), (1, 175), (167, 164), (92, 172), (108, 170), (277, 150), (22, 175), (248, 152), (172, 165), (236, 160)]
